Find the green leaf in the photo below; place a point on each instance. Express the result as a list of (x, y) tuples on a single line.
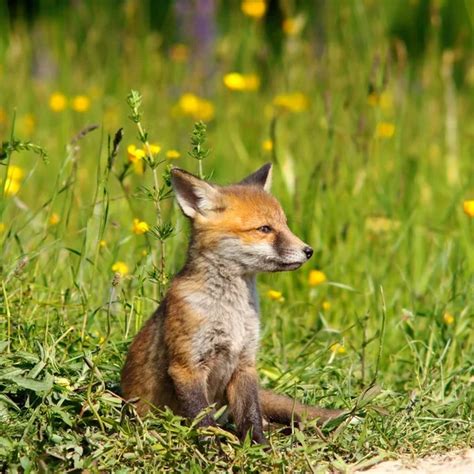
[(34, 385)]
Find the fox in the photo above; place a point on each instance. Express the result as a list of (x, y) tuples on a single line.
[(199, 348)]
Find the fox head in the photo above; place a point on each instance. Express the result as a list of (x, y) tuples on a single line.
[(241, 225)]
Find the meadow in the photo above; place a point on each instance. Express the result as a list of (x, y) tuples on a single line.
[(372, 146)]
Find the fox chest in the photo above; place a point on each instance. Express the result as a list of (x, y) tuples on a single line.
[(227, 335), (229, 330)]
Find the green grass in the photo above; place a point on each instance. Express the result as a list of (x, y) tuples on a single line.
[(384, 215)]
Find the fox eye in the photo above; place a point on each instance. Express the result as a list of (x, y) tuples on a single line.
[(266, 229)]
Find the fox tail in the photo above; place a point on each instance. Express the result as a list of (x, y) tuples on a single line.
[(285, 410)]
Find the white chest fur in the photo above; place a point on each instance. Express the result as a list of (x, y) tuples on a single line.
[(229, 329)]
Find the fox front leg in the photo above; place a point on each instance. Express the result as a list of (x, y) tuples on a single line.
[(190, 387), (242, 395)]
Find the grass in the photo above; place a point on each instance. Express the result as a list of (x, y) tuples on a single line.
[(375, 182)]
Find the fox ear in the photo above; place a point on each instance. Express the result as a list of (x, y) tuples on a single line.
[(262, 177), (194, 195)]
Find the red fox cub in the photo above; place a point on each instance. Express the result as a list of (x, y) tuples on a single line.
[(200, 346)]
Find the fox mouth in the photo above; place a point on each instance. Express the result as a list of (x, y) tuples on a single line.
[(284, 266)]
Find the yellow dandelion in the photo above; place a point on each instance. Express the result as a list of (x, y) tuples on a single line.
[(254, 8), (120, 267), (15, 172), (179, 53), (468, 207), (11, 187), (173, 154), (448, 318), (267, 145), (294, 102), (275, 295), (81, 103), (102, 244), (54, 219), (196, 107), (205, 111), (316, 277), (140, 227), (326, 305), (57, 102), (235, 81), (385, 130), (337, 348), (189, 103), (2, 227)]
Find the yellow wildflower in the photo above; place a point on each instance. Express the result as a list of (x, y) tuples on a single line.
[(294, 102), (173, 154), (63, 382), (267, 145), (57, 102), (81, 103), (144, 253), (468, 207), (337, 348), (120, 267), (326, 305), (291, 26), (196, 107), (54, 219), (189, 103), (179, 53), (154, 149), (135, 156), (140, 227), (241, 82), (275, 295), (102, 244), (2, 227), (385, 130), (13, 181), (12, 186), (316, 277), (448, 318), (15, 173), (254, 8)]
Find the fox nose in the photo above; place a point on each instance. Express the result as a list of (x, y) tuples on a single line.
[(308, 251)]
